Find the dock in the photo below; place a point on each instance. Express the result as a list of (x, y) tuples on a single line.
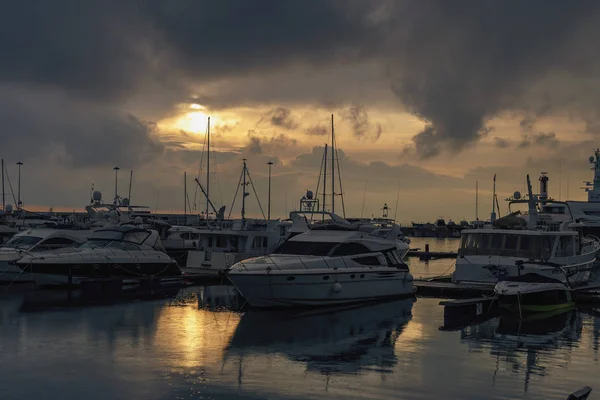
[(431, 254), (441, 288)]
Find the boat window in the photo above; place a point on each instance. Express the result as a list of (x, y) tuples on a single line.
[(125, 246), (306, 248), (194, 236), (55, 243), (136, 237), (259, 242), (221, 241), (367, 260), (546, 247), (109, 235), (496, 242), (525, 247), (349, 249), (511, 241), (22, 242), (565, 246)]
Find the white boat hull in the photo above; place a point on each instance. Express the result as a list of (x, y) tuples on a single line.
[(318, 288), (491, 269)]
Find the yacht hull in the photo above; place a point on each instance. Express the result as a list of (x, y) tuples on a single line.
[(533, 297), (492, 269), (321, 288)]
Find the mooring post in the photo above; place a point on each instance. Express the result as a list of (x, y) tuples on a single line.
[(427, 255)]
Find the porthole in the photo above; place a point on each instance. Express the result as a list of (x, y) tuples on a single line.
[(326, 277), (362, 275), (352, 276), (291, 278)]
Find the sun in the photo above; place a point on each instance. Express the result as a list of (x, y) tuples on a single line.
[(194, 121)]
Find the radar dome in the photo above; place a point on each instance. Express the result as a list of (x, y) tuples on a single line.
[(9, 208), (517, 195), (591, 158), (113, 214), (309, 194), (138, 220), (125, 202), (97, 195)]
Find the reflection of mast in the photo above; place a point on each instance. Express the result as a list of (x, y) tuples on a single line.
[(207, 168)]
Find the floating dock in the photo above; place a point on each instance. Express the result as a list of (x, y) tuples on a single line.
[(444, 288)]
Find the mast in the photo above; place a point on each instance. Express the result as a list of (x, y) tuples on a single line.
[(185, 197), (493, 215), (130, 181), (332, 167), (244, 194), (325, 178), (208, 167), (116, 184), (19, 203), (3, 193), (477, 200), (270, 163)]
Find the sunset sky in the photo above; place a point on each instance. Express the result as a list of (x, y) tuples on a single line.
[(428, 97)]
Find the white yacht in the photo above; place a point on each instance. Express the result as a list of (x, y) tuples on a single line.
[(122, 251), (331, 263), (34, 241), (516, 246), (231, 241)]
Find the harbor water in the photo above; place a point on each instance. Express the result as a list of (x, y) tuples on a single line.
[(194, 343)]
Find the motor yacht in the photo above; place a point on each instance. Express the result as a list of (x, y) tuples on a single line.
[(34, 241), (514, 246), (121, 251), (328, 263)]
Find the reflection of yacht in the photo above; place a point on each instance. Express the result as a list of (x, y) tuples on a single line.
[(331, 263), (342, 340), (515, 246), (34, 241), (122, 251), (540, 342)]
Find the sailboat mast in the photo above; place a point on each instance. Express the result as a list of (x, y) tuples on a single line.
[(493, 216), (476, 200), (3, 193), (207, 167), (325, 178), (332, 167), (244, 193), (130, 181), (185, 197)]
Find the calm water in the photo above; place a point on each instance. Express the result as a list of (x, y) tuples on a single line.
[(189, 346)]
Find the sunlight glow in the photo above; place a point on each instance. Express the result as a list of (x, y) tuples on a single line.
[(195, 121)]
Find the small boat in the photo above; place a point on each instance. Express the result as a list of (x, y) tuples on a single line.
[(329, 264), (126, 252), (534, 293)]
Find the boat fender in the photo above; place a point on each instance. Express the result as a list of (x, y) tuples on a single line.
[(337, 287)]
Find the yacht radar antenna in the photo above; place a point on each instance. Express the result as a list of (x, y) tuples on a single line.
[(544, 186), (532, 223), (593, 189)]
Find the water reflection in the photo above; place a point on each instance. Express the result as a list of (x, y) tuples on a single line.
[(343, 340), (536, 344)]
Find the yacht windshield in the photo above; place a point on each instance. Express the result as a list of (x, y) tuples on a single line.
[(306, 248), (507, 245), (22, 242)]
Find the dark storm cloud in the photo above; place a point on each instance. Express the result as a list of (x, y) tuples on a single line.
[(501, 143), (542, 139), (317, 130), (263, 144), (280, 117), (358, 118), (49, 125), (458, 64), (454, 64)]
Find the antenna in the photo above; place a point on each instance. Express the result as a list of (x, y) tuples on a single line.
[(397, 198), (19, 203)]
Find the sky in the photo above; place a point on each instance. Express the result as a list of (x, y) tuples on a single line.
[(428, 97)]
